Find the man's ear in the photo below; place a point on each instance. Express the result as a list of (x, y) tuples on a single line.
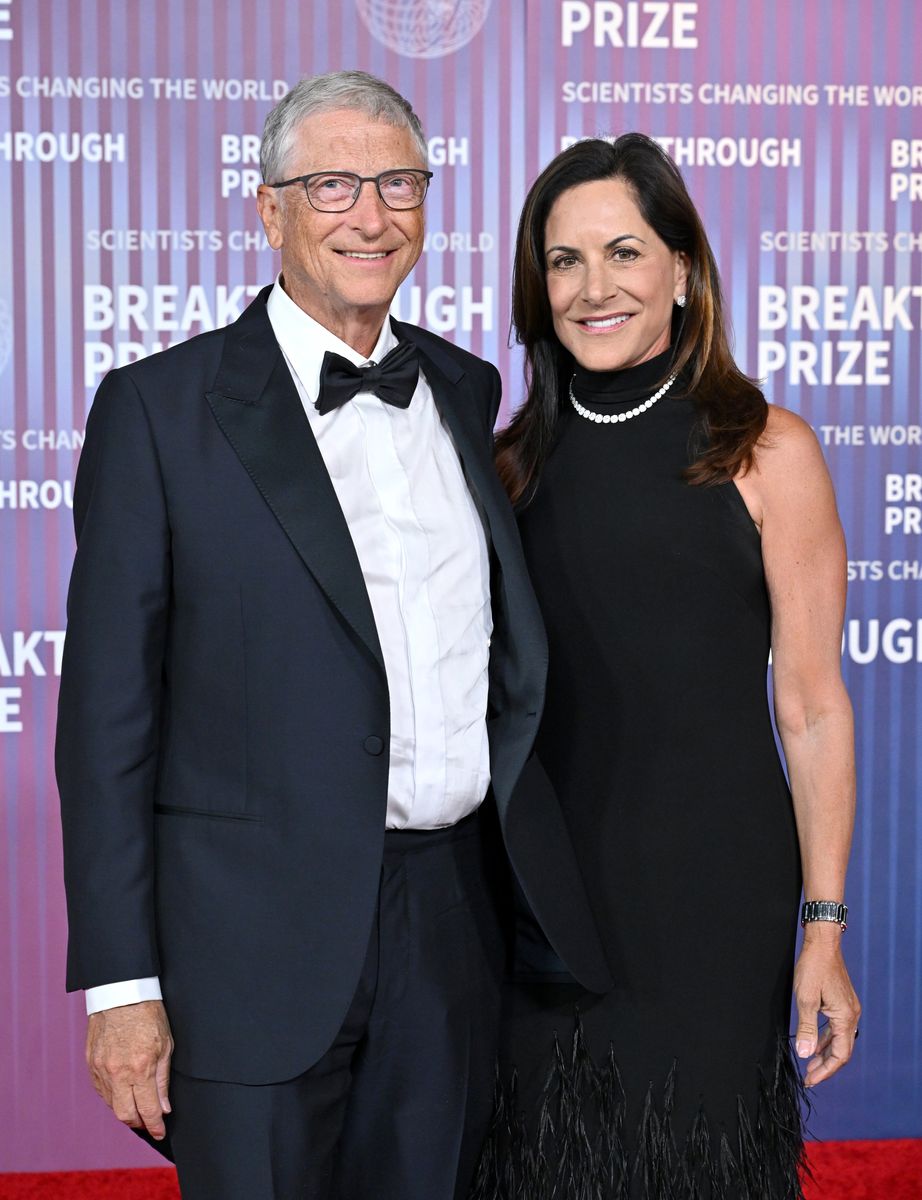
[(269, 207)]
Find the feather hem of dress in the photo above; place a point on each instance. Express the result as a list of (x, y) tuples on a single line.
[(577, 1150)]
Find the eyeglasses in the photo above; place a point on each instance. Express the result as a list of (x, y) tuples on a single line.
[(337, 191)]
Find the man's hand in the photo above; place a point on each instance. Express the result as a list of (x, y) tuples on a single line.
[(128, 1052)]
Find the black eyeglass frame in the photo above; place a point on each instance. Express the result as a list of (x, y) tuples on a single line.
[(360, 179)]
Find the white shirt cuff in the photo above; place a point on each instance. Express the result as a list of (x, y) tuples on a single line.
[(115, 995)]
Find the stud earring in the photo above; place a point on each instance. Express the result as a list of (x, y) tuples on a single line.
[(680, 300)]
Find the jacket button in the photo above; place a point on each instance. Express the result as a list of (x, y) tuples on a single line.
[(373, 744)]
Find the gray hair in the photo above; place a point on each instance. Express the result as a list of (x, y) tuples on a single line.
[(324, 93)]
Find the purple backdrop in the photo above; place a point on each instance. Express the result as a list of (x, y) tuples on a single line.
[(127, 166)]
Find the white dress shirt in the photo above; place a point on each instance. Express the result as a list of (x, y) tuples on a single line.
[(421, 546)]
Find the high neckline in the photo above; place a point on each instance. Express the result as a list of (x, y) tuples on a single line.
[(625, 387)]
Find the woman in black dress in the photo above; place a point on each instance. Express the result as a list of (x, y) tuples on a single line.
[(678, 528)]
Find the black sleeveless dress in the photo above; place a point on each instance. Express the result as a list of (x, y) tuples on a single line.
[(680, 1083)]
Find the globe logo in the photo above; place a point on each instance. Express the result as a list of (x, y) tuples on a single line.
[(424, 28), (6, 335)]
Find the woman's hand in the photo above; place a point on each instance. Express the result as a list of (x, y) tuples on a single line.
[(822, 985)]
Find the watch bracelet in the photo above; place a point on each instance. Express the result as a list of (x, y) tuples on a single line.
[(824, 910)]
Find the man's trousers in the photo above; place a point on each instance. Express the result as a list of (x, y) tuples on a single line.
[(399, 1105)]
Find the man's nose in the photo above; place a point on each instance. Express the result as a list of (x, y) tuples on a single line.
[(369, 213)]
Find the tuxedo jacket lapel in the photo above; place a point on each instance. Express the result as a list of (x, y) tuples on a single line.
[(452, 392), (519, 655), (256, 404)]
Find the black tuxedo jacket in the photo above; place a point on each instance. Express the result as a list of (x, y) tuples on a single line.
[(223, 719)]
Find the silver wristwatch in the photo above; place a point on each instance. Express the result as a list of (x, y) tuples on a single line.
[(824, 910)]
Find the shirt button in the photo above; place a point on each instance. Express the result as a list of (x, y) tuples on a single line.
[(373, 744)]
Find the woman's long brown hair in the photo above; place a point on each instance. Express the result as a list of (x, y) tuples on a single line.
[(731, 409)]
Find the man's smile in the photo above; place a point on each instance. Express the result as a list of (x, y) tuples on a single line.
[(366, 255)]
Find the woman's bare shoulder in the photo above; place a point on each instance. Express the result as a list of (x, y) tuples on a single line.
[(787, 447)]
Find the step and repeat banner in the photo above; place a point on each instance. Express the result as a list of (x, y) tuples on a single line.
[(129, 135)]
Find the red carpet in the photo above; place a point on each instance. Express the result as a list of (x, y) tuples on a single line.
[(842, 1171), (866, 1170), (146, 1184)]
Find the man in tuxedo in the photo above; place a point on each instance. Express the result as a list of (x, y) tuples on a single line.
[(303, 672)]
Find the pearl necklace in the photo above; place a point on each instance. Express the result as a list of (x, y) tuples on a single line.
[(610, 418)]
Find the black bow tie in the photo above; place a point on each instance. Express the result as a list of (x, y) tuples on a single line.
[(392, 380)]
